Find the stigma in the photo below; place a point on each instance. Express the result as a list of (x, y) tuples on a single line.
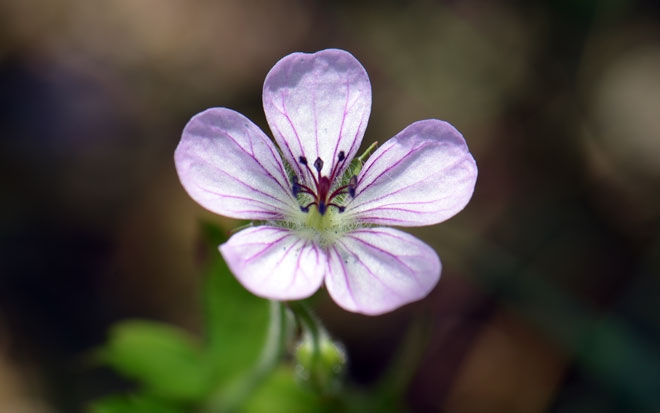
[(320, 190)]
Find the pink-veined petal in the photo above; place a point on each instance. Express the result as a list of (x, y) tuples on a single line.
[(422, 176), (275, 263), (376, 270), (229, 166), (317, 105)]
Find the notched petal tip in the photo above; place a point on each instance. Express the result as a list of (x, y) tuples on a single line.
[(317, 105)]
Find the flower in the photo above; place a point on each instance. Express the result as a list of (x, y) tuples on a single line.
[(323, 215)]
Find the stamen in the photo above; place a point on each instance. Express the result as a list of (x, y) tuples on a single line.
[(306, 207), (322, 184), (352, 184), (341, 158), (318, 164), (339, 207), (303, 161), (305, 190), (294, 185), (337, 192), (298, 188)]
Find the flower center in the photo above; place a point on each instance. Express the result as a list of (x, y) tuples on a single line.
[(321, 193)]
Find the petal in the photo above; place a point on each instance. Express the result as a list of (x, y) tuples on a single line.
[(229, 166), (376, 270), (275, 263), (317, 105), (422, 176)]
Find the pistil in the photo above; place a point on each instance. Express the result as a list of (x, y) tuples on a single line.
[(321, 196)]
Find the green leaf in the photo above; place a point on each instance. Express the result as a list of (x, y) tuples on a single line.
[(281, 393), (132, 404), (164, 359), (236, 320)]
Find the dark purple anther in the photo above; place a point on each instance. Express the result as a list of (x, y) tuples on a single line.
[(318, 164), (294, 185), (352, 184), (320, 191)]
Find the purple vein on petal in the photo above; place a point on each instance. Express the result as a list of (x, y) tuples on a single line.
[(286, 115), (413, 211), (366, 267), (383, 220), (247, 132), (288, 148), (279, 262), (349, 153), (449, 195), (268, 228), (343, 120), (343, 269), (316, 253), (316, 120), (393, 193), (295, 272), (253, 188), (355, 137), (382, 251), (392, 166), (278, 161), (412, 272), (274, 215), (255, 159), (407, 202), (380, 155), (381, 233), (350, 150), (271, 245), (242, 198), (401, 203)]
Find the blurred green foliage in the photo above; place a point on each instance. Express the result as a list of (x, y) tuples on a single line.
[(236, 321), (242, 365), (280, 392), (175, 370), (164, 359), (133, 404)]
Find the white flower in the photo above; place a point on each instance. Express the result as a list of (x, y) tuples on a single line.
[(321, 222)]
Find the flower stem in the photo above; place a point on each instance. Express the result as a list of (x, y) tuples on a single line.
[(275, 339), (229, 399), (317, 375), (309, 323)]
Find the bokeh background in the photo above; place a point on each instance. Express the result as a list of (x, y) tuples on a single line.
[(551, 282)]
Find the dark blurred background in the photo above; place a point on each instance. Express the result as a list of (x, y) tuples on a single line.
[(551, 282)]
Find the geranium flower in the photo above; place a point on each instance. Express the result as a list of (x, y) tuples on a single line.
[(322, 220)]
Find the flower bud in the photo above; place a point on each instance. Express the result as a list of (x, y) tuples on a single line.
[(320, 366)]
